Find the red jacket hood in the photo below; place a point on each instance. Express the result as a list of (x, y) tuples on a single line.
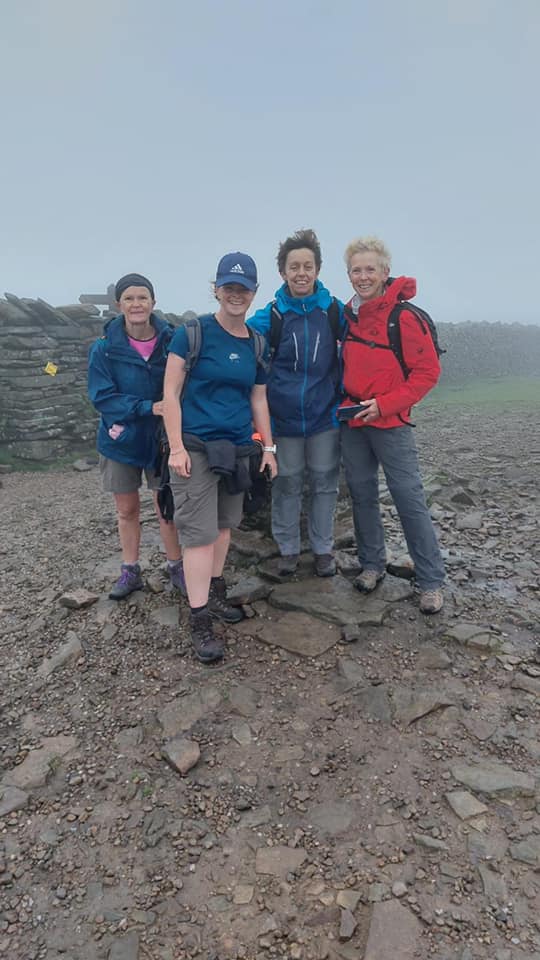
[(397, 289)]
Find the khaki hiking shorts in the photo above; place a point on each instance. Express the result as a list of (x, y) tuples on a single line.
[(202, 506), (124, 477)]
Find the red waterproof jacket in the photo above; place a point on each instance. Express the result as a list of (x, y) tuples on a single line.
[(370, 372)]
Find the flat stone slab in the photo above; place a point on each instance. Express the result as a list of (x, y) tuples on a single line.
[(184, 712), (474, 635), (464, 804), (11, 798), (394, 932), (494, 779), (166, 616), (38, 766), (298, 633), (333, 599), (249, 590), (125, 948), (528, 684), (334, 817), (243, 700), (411, 705), (279, 861), (527, 850), (182, 754), (69, 652), (288, 753), (78, 599)]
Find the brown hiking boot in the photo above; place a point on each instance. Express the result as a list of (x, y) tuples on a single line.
[(368, 580), (431, 601)]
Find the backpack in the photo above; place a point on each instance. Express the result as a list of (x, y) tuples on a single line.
[(276, 324), (425, 323)]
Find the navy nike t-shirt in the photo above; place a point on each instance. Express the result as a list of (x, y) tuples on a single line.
[(216, 399)]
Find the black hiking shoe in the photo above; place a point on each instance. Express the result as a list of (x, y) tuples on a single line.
[(206, 645), (287, 564), (325, 565), (217, 603), (129, 580)]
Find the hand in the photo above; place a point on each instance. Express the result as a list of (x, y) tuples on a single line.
[(371, 412), (116, 430), (157, 408), (180, 462), (269, 460)]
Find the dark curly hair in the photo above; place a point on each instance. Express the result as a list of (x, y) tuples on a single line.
[(301, 239)]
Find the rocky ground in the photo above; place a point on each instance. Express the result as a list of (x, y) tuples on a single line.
[(354, 782)]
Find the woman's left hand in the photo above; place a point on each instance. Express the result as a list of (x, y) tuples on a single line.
[(269, 460)]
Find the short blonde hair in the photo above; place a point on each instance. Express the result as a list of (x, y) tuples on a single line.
[(368, 245)]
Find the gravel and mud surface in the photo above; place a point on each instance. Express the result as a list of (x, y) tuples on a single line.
[(354, 782)]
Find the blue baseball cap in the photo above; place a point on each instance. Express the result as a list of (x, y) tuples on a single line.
[(237, 268)]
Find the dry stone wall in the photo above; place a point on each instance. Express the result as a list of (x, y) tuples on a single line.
[(46, 415)]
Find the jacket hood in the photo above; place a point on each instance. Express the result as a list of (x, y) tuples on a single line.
[(115, 332), (397, 289), (321, 297)]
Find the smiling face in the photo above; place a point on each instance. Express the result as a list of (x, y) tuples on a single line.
[(234, 299), (367, 275), (300, 273), (136, 303)]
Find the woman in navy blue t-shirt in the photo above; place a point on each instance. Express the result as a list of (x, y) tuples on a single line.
[(223, 397)]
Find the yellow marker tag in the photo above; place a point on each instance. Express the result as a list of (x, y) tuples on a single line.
[(51, 369)]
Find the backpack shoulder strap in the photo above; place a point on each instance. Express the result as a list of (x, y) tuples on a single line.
[(394, 330), (194, 335), (333, 319), (276, 326), (259, 345)]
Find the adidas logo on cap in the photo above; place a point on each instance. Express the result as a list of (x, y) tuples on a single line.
[(237, 268)]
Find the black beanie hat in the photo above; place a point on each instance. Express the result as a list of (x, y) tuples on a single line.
[(132, 280)]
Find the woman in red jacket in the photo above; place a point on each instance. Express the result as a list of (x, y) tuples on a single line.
[(380, 433)]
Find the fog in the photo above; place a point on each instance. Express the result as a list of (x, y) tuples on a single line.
[(156, 137)]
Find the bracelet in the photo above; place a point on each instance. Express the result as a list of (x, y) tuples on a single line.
[(181, 450), (271, 449)]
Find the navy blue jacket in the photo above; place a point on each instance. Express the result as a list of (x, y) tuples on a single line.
[(303, 386), (122, 387)]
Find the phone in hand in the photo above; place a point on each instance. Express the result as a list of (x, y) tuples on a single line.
[(347, 413)]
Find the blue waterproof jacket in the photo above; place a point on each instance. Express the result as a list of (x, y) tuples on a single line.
[(304, 382), (122, 387)]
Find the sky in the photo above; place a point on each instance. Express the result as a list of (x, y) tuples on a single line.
[(156, 135)]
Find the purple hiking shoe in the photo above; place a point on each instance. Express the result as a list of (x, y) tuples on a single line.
[(129, 580)]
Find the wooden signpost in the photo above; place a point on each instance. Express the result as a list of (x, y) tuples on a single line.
[(107, 299)]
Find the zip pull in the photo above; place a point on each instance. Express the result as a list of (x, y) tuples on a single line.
[(316, 346), (296, 352)]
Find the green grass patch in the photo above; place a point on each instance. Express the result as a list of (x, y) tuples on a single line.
[(501, 394)]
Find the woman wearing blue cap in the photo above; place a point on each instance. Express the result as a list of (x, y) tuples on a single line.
[(209, 417), (125, 384)]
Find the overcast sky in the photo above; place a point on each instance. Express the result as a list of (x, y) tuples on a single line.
[(156, 135)]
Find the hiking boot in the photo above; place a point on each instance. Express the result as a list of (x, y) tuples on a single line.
[(368, 580), (129, 580), (325, 565), (217, 602), (206, 645), (431, 601), (176, 576), (287, 564)]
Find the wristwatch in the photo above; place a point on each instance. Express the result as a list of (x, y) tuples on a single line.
[(272, 449)]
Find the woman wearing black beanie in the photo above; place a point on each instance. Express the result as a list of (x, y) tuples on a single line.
[(125, 384)]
